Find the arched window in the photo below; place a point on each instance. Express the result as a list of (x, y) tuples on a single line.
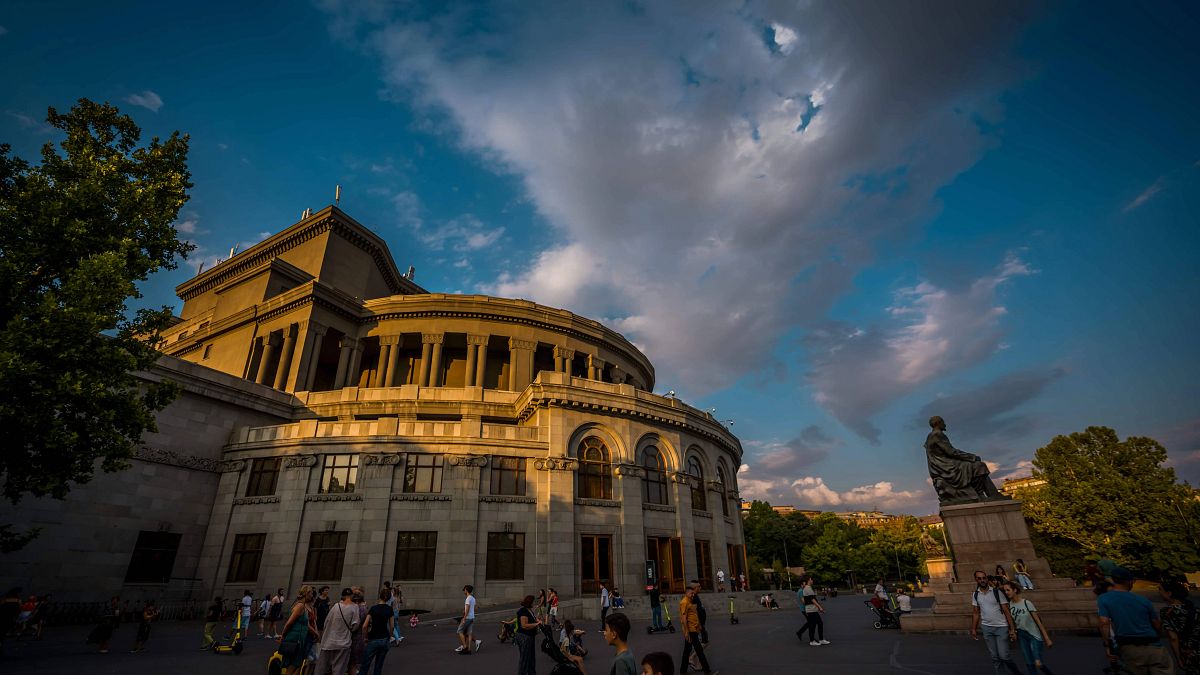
[(595, 470), (654, 485), (724, 490), (696, 472)]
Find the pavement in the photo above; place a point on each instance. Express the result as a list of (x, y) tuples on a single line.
[(762, 642)]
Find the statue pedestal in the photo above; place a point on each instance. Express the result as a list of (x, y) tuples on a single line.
[(941, 573), (984, 535)]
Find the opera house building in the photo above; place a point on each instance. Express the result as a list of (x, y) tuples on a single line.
[(338, 424)]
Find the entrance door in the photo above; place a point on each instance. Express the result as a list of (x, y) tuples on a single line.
[(668, 553), (595, 563)]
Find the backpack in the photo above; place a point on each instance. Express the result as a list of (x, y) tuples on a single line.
[(995, 592)]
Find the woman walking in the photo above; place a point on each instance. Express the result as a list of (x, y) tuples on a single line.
[(102, 633), (396, 601), (539, 606), (527, 625), (813, 622), (274, 614), (149, 614), (378, 632), (1031, 633), (299, 631)]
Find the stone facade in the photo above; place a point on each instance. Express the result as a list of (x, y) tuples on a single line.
[(341, 425)]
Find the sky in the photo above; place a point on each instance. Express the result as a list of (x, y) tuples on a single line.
[(826, 220)]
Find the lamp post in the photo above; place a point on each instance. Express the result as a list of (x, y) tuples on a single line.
[(787, 566)]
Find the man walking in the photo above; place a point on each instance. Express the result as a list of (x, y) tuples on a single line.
[(466, 633), (605, 603), (1133, 620), (990, 607), (720, 580), (338, 636), (656, 608), (689, 619)]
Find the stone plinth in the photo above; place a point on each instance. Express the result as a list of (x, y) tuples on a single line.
[(982, 536)]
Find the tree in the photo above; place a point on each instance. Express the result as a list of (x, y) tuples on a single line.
[(76, 234), (771, 536), (1114, 499), (900, 541)]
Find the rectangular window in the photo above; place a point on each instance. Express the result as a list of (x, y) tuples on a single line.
[(247, 555), (422, 473), (153, 558), (704, 568), (326, 553), (339, 474), (508, 475), (263, 475), (595, 556), (415, 555), (506, 555)]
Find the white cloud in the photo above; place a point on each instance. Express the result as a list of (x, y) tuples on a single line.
[(147, 99), (186, 226), (465, 233), (857, 372), (408, 209), (812, 491), (222, 146), (691, 204), (1146, 195)]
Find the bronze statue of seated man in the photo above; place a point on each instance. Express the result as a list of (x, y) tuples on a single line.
[(958, 477)]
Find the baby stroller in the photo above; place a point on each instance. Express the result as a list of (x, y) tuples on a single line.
[(884, 617), (507, 630), (562, 664)]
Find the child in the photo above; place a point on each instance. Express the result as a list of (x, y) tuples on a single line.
[(570, 640), (1030, 632), (616, 633), (658, 663)]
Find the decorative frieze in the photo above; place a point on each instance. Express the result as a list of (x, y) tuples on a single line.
[(336, 497), (508, 499), (529, 345), (606, 503), (665, 508), (468, 460), (419, 497), (299, 461), (431, 338), (555, 464), (697, 513), (382, 459), (269, 499), (681, 478), (629, 470), (170, 458), (231, 465), (716, 486)]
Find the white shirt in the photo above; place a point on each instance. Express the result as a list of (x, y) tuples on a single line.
[(721, 576), (470, 606), (881, 591), (247, 603), (265, 606), (990, 611), (604, 601), (905, 602)]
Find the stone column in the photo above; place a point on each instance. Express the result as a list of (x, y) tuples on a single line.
[(313, 355), (435, 358), (393, 342), (380, 365), (684, 522), (472, 354), (339, 378), (355, 366), (595, 368), (423, 371), (298, 367), (630, 567), (520, 363), (563, 359), (270, 347), (481, 345), (285, 356)]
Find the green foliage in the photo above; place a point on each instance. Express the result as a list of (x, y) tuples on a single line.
[(1114, 499), (1067, 559), (771, 536), (76, 234)]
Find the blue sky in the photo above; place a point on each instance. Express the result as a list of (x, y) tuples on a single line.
[(826, 221)]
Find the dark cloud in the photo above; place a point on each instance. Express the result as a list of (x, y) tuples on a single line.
[(810, 447), (988, 412)]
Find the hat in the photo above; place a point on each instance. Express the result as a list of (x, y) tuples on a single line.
[(1121, 574)]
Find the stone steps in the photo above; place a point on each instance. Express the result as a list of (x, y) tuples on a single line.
[(937, 621)]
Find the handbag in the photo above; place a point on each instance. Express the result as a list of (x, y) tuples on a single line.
[(288, 649)]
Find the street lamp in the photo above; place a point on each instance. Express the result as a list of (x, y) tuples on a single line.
[(787, 565)]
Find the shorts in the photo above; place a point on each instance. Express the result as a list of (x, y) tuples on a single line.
[(464, 626), (554, 610)]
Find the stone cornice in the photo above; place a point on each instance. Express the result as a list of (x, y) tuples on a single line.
[(267, 499), (631, 470), (697, 513), (606, 503), (508, 499), (680, 477), (171, 458), (382, 459), (335, 497), (419, 497), (666, 508), (468, 460), (299, 461)]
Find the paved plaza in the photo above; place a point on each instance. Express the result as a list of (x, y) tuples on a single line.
[(763, 642)]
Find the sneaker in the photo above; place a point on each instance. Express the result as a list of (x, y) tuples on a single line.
[(400, 639), (458, 649), (814, 643), (825, 642), (477, 643)]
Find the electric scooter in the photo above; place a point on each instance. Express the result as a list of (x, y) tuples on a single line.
[(733, 618), (234, 646), (651, 630)]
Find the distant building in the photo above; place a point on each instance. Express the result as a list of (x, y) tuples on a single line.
[(867, 518), (933, 522), (1012, 486)]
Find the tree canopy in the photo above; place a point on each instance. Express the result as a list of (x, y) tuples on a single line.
[(77, 233), (1115, 499)]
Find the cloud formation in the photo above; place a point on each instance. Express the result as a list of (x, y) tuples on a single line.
[(1145, 196), (813, 492), (147, 99), (987, 412), (933, 331), (717, 188)]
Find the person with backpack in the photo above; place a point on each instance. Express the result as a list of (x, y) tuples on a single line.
[(338, 636), (1031, 632), (990, 608), (813, 622)]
